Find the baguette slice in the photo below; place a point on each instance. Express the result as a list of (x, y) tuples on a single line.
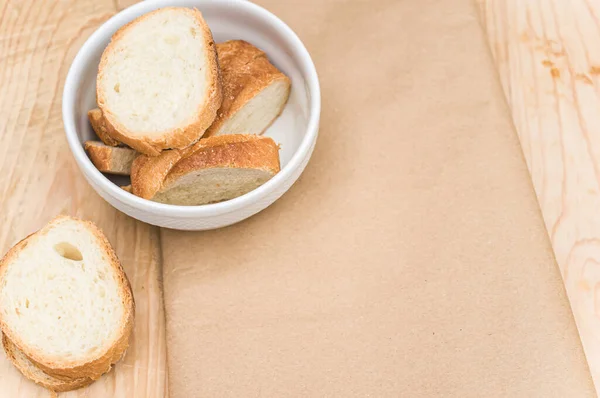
[(149, 172), (254, 90), (99, 126), (65, 301), (217, 169), (111, 160), (33, 373), (158, 82)]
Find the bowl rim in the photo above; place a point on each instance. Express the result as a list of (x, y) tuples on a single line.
[(71, 89)]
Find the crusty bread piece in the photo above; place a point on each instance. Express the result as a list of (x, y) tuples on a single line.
[(254, 90), (65, 301), (214, 170), (99, 127), (158, 82), (33, 373), (149, 172), (111, 160)]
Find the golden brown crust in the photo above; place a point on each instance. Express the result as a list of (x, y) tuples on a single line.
[(22, 363), (241, 151), (105, 158), (149, 175), (99, 365), (149, 172), (99, 126), (180, 137), (245, 72)]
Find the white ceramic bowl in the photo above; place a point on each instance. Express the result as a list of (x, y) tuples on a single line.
[(296, 129)]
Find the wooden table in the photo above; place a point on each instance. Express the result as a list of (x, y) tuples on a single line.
[(39, 179), (548, 56)]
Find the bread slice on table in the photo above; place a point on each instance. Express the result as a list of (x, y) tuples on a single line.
[(99, 127), (65, 301), (215, 169), (111, 160), (33, 373), (158, 82), (254, 90)]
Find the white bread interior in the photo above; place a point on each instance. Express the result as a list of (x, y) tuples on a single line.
[(158, 83), (259, 112), (65, 301), (212, 185)]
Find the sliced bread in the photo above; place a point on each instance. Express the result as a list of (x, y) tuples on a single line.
[(254, 90), (111, 160), (99, 127), (214, 170), (158, 82), (149, 172), (65, 301), (33, 373)]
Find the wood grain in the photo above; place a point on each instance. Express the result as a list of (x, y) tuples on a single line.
[(548, 56), (39, 179)]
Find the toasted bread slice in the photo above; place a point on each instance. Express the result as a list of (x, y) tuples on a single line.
[(65, 301), (214, 170), (254, 90), (99, 127), (33, 373), (158, 82), (111, 160)]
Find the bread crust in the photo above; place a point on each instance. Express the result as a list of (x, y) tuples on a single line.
[(99, 127), (97, 365), (150, 175), (238, 151), (25, 366), (149, 172), (245, 72), (179, 137), (105, 158)]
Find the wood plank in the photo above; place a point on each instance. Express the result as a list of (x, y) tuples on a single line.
[(39, 179), (548, 56)]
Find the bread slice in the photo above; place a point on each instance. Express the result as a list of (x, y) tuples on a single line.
[(158, 82), (111, 160), (65, 301), (254, 90), (33, 373), (149, 172), (214, 170), (99, 127)]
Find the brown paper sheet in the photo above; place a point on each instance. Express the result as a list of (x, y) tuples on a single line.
[(409, 260)]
